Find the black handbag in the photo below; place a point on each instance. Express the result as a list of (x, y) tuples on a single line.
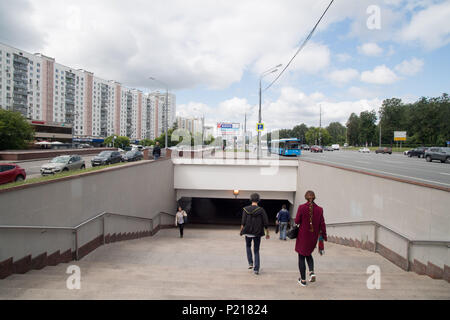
[(293, 232)]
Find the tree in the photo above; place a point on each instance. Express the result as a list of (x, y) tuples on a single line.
[(337, 132), (299, 132), (147, 142), (317, 136), (393, 117), (367, 127), (353, 129), (119, 142), (15, 131)]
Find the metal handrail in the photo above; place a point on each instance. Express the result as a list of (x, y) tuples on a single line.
[(75, 229), (409, 242)]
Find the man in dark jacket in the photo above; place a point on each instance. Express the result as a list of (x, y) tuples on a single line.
[(283, 218), (254, 223), (156, 151)]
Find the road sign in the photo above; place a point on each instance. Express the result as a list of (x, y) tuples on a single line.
[(260, 127), (399, 135)]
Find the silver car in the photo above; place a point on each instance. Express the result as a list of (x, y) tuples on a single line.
[(62, 164)]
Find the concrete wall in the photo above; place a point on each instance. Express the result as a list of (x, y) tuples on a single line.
[(417, 212), (241, 175), (143, 189)]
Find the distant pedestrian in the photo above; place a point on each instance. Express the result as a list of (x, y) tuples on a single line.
[(254, 225), (180, 220), (312, 223), (156, 151), (283, 218)]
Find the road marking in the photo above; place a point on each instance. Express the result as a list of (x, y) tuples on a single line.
[(385, 172), (448, 174), (365, 162)]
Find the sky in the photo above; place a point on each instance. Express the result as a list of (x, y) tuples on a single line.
[(211, 53)]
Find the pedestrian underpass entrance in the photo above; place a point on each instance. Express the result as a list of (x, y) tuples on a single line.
[(226, 211)]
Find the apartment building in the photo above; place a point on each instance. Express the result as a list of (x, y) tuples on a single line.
[(42, 89), (193, 125), (160, 121)]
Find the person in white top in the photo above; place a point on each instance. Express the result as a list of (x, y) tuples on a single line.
[(179, 220)]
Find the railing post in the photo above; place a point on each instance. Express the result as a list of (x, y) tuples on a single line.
[(151, 227), (76, 244), (375, 236), (104, 228), (408, 253)]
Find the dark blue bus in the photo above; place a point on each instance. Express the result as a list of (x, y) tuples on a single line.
[(286, 147)]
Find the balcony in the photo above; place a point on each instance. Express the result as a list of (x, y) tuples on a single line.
[(20, 59)]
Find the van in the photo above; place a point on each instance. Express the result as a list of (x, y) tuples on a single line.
[(335, 146)]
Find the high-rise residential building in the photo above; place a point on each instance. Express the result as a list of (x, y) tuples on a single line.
[(159, 99), (42, 89), (193, 125)]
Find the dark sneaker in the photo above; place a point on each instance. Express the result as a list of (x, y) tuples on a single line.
[(256, 272), (312, 277), (302, 282), (250, 266)]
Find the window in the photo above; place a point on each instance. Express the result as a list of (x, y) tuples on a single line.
[(38, 64), (7, 54), (38, 70)]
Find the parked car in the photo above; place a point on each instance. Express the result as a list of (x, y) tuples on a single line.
[(364, 150), (384, 150), (84, 145), (438, 153), (304, 147), (417, 152), (63, 163), (134, 155), (10, 172), (328, 148), (316, 149), (335, 146), (106, 157)]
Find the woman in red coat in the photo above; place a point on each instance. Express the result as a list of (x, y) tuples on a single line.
[(311, 221)]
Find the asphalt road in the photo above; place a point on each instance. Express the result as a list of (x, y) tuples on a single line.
[(395, 165)]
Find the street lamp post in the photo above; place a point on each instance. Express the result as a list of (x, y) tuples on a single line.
[(166, 113), (265, 73)]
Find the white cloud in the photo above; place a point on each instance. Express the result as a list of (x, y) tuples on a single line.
[(429, 27), (343, 57), (292, 107), (410, 67), (370, 49), (343, 76), (193, 109), (380, 75), (313, 58)]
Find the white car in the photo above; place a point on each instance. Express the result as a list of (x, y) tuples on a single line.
[(364, 150)]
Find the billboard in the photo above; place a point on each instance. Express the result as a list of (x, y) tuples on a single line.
[(228, 128), (399, 135)]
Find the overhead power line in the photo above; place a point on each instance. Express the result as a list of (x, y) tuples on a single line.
[(301, 47)]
